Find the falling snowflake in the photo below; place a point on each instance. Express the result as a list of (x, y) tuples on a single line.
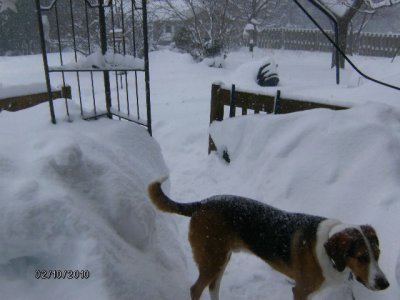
[(7, 4)]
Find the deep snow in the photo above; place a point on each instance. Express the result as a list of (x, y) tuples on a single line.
[(325, 163), (84, 182), (74, 198)]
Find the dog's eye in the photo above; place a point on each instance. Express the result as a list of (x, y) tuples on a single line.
[(363, 258)]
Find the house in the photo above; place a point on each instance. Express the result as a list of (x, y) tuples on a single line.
[(163, 28)]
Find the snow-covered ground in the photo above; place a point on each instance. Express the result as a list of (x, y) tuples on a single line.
[(73, 195)]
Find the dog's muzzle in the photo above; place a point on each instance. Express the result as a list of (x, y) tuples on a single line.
[(381, 283)]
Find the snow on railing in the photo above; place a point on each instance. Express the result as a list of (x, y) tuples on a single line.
[(17, 97), (99, 62)]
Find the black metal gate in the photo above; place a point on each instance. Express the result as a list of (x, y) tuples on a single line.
[(100, 48)]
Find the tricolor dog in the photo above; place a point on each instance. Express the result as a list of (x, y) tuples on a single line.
[(314, 251)]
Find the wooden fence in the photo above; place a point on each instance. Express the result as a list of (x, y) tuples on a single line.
[(369, 44), (245, 101)]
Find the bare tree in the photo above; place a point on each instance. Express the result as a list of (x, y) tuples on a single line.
[(250, 10), (255, 12), (208, 23), (344, 12)]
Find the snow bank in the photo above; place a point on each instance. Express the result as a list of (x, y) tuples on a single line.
[(398, 270), (74, 198), (308, 76), (246, 74), (343, 164)]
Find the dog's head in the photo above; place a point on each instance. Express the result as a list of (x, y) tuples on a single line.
[(358, 249)]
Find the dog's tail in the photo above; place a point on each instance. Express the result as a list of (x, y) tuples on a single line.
[(164, 203)]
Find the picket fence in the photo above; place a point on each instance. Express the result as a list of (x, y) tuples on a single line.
[(368, 44)]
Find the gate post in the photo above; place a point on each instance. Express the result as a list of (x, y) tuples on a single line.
[(45, 62), (103, 43), (146, 65)]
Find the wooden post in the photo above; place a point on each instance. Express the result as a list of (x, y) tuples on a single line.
[(277, 106), (216, 112), (232, 108)]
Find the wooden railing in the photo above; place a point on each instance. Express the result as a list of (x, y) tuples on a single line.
[(25, 101), (245, 101)]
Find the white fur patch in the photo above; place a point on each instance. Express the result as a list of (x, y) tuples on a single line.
[(326, 229), (214, 293), (374, 269)]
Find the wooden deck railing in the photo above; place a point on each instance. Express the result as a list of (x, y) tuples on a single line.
[(29, 100), (245, 101)]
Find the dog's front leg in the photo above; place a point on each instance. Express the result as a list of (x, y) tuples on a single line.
[(300, 292)]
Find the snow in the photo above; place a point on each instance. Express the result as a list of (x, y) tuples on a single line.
[(74, 198), (379, 3), (74, 194), (22, 89), (247, 29), (308, 77), (112, 61), (337, 7)]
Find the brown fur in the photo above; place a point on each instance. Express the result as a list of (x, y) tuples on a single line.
[(163, 203), (305, 269)]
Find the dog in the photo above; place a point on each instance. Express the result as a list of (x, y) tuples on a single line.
[(314, 251)]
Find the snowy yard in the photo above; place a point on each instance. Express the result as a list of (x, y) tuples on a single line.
[(73, 195)]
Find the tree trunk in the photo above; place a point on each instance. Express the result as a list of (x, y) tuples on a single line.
[(343, 23), (343, 26)]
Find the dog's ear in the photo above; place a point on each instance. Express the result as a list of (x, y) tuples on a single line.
[(372, 237), (337, 247), (370, 234)]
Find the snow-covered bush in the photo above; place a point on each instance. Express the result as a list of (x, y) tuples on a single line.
[(211, 52), (183, 40)]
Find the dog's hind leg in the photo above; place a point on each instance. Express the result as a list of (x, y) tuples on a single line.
[(211, 247), (210, 274), (216, 283)]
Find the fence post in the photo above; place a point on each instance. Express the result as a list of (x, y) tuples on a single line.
[(232, 108), (216, 112)]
